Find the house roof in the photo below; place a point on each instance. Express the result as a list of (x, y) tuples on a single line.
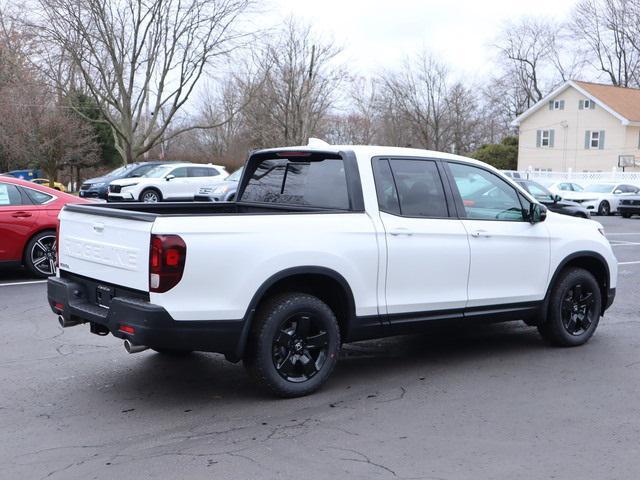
[(625, 101), (621, 102)]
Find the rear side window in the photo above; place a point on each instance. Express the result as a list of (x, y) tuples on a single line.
[(202, 172), (179, 172), (419, 188), (9, 195), (318, 183)]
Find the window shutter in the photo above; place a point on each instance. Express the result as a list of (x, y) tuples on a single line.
[(601, 140), (561, 104), (550, 104), (551, 135), (539, 138), (581, 105), (587, 138), (592, 105), (638, 139)]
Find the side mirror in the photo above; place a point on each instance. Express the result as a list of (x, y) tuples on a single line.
[(557, 198), (537, 213), (617, 192), (169, 177)]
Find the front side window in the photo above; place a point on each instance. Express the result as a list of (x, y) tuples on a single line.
[(576, 188), (9, 195), (565, 187), (486, 196), (538, 191), (320, 183), (595, 139), (142, 170)]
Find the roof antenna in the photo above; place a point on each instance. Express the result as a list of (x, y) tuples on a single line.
[(316, 142)]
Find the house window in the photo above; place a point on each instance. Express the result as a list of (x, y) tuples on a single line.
[(587, 104), (595, 139), (556, 105), (544, 139)]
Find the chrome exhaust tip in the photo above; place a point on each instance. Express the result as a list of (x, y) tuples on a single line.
[(67, 323), (133, 348)]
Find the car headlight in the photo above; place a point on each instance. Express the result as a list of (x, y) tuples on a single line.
[(129, 185), (220, 190), (98, 185)]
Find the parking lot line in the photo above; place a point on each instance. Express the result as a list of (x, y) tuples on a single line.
[(622, 233), (21, 283), (629, 263), (620, 243)]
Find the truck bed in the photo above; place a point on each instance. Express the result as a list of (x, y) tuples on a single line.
[(150, 211)]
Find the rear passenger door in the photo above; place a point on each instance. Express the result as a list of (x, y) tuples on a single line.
[(177, 188), (427, 248), (18, 217), (202, 176), (509, 255)]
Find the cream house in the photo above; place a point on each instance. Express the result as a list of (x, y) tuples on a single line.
[(581, 126)]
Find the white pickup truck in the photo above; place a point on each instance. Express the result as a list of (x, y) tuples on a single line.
[(326, 245)]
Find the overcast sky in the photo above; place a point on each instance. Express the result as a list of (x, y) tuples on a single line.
[(378, 34)]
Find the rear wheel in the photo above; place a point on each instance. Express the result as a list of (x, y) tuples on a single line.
[(626, 215), (40, 254), (150, 195), (604, 208), (574, 309), (294, 344)]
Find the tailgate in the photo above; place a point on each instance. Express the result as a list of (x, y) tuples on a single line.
[(106, 245)]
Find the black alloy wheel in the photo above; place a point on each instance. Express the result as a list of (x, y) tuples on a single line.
[(40, 255), (577, 312), (604, 208), (300, 347)]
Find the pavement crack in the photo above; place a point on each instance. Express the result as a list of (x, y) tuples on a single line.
[(363, 459)]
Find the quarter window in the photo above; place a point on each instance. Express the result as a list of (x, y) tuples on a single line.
[(485, 196), (37, 197)]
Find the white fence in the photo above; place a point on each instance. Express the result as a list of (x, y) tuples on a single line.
[(582, 178)]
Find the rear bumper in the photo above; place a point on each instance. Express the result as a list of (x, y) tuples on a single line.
[(153, 326)]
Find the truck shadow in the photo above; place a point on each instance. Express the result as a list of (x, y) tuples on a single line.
[(202, 378)]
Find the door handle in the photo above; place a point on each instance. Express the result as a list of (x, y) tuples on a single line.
[(480, 233), (400, 231), (21, 215), (98, 227)]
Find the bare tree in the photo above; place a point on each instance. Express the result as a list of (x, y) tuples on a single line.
[(299, 87), (609, 34), (138, 59)]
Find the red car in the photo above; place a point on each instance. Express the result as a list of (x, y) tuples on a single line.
[(28, 220)]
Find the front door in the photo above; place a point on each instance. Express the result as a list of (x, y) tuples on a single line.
[(509, 255), (427, 248)]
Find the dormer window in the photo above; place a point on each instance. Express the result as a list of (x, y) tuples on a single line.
[(587, 104)]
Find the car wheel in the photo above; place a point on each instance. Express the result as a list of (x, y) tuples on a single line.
[(574, 311), (626, 215), (604, 208), (294, 344), (171, 352), (40, 254), (150, 196)]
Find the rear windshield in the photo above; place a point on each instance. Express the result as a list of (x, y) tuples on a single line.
[(320, 183)]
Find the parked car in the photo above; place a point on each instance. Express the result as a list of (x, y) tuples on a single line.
[(567, 190), (553, 202), (328, 245), (28, 220), (629, 206), (604, 197), (225, 191), (46, 182), (99, 187), (178, 181)]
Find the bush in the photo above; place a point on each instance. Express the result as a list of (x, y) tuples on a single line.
[(503, 155)]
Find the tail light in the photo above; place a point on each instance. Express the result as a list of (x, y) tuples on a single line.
[(167, 257), (58, 244)]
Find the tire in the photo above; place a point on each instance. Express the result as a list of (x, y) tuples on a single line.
[(574, 311), (604, 208), (40, 254), (150, 195), (625, 215), (294, 345), (170, 352)]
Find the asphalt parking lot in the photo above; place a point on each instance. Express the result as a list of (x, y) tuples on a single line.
[(488, 402)]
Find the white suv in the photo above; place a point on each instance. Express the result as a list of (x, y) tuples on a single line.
[(176, 181)]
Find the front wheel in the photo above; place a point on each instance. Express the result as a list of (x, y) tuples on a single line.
[(150, 196), (294, 344), (604, 208), (574, 309), (40, 254), (626, 215)]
